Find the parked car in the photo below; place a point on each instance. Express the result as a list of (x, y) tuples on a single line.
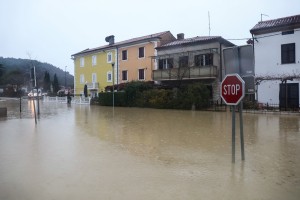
[(34, 93)]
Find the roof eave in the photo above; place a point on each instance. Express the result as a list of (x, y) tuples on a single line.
[(259, 31), (115, 45), (218, 39)]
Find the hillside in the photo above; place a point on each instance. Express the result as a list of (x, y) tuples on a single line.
[(21, 67)]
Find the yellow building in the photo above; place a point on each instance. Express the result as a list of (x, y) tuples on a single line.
[(122, 62), (93, 67)]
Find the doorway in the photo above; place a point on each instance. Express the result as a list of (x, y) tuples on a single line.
[(289, 96)]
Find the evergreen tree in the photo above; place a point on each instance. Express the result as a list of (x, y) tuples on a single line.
[(55, 84), (2, 71), (47, 81)]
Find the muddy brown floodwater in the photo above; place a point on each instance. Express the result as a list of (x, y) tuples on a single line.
[(91, 152)]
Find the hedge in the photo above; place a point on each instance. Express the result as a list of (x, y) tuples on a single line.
[(137, 94)]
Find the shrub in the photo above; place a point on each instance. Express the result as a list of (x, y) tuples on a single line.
[(134, 92), (106, 99), (140, 94)]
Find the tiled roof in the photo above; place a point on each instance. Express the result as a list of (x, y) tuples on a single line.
[(125, 42), (156, 35), (195, 40), (274, 25)]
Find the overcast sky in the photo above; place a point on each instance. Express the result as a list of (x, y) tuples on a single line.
[(52, 30)]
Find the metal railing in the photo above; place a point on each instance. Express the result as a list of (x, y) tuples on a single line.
[(270, 107), (75, 100), (185, 73), (92, 86)]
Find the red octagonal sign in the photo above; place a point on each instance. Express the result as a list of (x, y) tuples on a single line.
[(232, 89)]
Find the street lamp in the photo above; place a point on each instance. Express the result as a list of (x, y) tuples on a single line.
[(65, 77), (113, 80)]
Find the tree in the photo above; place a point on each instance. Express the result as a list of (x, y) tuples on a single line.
[(2, 71), (47, 81), (55, 84), (15, 80)]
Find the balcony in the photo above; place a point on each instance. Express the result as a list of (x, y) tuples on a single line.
[(185, 73), (93, 86)]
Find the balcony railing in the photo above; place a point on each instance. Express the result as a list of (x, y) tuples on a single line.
[(185, 73), (93, 86)]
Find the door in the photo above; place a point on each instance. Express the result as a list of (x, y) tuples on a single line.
[(289, 96)]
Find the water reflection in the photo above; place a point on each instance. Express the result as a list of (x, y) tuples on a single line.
[(83, 152)]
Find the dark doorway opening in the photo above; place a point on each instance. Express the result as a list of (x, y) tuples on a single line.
[(289, 96)]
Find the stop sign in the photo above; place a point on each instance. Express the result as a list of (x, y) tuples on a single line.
[(232, 89)]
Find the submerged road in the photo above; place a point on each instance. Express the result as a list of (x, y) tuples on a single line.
[(92, 152)]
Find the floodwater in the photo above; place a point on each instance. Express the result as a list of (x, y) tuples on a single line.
[(91, 152)]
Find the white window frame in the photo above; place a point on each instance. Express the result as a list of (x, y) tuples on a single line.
[(81, 62), (94, 60), (139, 74), (109, 76), (94, 78), (109, 57), (81, 78)]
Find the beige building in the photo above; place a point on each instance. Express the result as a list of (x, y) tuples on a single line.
[(134, 56)]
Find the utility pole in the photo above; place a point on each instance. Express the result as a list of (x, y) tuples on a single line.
[(208, 24)]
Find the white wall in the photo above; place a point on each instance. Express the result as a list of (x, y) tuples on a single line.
[(267, 51)]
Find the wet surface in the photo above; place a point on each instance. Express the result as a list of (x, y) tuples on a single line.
[(93, 152)]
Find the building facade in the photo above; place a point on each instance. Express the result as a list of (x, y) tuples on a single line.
[(116, 63), (277, 61), (93, 68), (135, 56), (197, 59)]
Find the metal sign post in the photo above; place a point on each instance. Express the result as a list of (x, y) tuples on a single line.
[(238, 60), (242, 131), (232, 93), (233, 135)]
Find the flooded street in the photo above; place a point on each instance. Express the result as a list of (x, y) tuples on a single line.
[(91, 152)]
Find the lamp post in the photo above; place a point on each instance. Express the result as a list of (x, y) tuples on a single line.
[(113, 80), (65, 77)]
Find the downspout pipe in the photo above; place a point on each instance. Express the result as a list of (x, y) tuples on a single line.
[(256, 85), (221, 63), (117, 64)]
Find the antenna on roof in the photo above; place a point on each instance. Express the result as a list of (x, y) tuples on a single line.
[(262, 15), (208, 23)]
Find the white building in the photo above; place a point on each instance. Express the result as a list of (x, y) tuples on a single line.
[(277, 61)]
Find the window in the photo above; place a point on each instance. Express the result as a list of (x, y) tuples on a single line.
[(109, 76), (82, 78), (204, 59), (141, 74), (124, 55), (94, 77), (288, 53), (165, 63), (109, 57), (287, 32), (124, 75), (183, 61), (81, 62), (94, 60), (141, 52)]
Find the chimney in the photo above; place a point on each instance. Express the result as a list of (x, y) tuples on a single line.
[(110, 39), (180, 36)]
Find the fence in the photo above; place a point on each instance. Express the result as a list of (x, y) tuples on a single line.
[(75, 100), (269, 107)]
